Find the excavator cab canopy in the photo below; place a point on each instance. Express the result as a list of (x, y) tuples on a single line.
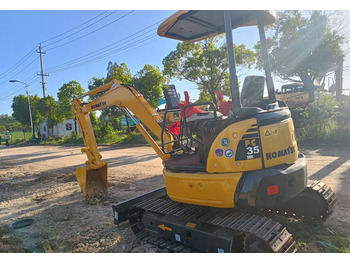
[(196, 25)]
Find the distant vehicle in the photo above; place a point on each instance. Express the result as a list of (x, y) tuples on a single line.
[(131, 122), (295, 95)]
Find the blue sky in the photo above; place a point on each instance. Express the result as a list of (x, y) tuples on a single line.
[(79, 44), (84, 52)]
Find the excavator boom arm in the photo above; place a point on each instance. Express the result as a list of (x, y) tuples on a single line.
[(128, 99)]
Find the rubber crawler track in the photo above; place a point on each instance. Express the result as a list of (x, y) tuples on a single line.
[(319, 192), (271, 232)]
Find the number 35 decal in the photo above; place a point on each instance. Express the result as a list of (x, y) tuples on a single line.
[(253, 149)]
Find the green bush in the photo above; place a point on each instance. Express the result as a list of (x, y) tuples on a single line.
[(323, 124), (133, 138), (73, 138)]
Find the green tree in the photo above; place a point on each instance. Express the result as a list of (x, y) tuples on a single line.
[(8, 123), (205, 63), (51, 111), (114, 71), (120, 72), (65, 97), (303, 47), (149, 81), (21, 110), (94, 83)]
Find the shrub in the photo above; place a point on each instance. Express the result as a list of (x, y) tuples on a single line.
[(322, 123)]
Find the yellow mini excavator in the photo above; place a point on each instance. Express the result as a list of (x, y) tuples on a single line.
[(224, 176)]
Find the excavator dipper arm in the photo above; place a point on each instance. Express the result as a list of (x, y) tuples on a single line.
[(92, 178)]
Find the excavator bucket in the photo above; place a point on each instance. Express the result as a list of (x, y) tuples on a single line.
[(93, 182)]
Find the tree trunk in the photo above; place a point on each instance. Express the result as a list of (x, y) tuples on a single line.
[(127, 122), (309, 85), (213, 99)]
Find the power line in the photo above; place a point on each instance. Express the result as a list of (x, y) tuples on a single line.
[(104, 56), (32, 52), (19, 71), (19, 63), (81, 29), (91, 32), (108, 51), (135, 40), (18, 86), (16, 90), (47, 40), (89, 56), (99, 51)]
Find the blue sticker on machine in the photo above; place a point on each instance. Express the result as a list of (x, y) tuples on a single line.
[(229, 153), (225, 142), (219, 152)]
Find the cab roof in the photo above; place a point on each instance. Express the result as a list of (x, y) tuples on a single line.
[(195, 25)]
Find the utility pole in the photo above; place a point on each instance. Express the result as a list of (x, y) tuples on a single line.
[(339, 81), (42, 70)]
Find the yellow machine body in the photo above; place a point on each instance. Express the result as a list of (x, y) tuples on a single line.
[(201, 188), (240, 147)]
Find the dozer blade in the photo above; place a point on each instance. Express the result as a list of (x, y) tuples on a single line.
[(93, 182)]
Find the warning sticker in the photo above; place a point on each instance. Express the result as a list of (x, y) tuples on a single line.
[(271, 132), (219, 152)]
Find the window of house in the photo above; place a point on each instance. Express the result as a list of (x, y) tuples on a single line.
[(68, 126), (44, 128)]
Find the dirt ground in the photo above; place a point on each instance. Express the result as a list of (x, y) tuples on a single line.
[(38, 182)]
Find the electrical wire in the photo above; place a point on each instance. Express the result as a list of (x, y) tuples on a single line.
[(107, 48), (32, 52), (18, 64), (17, 89), (47, 40), (103, 57), (103, 54), (100, 54), (90, 32), (80, 30), (18, 86), (35, 59), (134, 41)]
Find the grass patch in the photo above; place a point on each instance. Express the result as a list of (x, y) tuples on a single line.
[(16, 137), (133, 138), (315, 237), (118, 137)]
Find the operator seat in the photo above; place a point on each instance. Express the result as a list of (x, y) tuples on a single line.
[(206, 127)]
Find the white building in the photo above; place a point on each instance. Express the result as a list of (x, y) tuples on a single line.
[(61, 129)]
